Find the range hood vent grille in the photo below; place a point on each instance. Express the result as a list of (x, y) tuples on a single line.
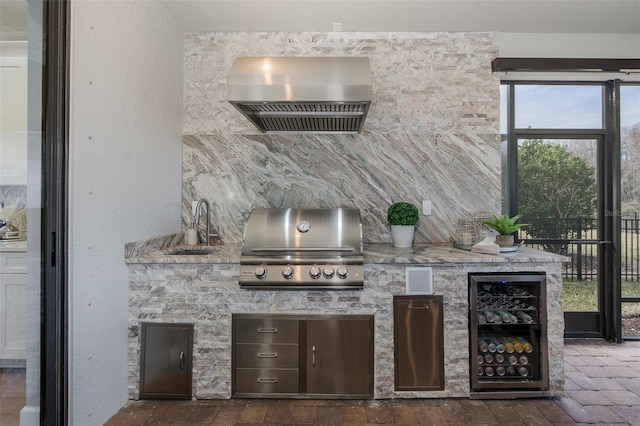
[(306, 117), (302, 94)]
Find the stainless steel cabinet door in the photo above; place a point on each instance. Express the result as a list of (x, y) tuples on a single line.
[(419, 343), (339, 356), (165, 370)]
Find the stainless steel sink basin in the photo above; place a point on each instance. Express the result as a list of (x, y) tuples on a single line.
[(192, 252)]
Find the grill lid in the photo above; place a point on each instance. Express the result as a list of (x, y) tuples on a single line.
[(303, 232), (302, 94)]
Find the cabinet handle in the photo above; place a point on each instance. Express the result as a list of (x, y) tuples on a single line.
[(181, 361), (267, 380), (267, 355), (267, 330), (418, 307), (313, 355)]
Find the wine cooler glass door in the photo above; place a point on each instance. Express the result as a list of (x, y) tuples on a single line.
[(508, 332)]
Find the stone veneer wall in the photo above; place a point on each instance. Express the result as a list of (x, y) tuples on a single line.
[(432, 133), (207, 295)]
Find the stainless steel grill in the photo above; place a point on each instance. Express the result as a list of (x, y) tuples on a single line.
[(301, 249)]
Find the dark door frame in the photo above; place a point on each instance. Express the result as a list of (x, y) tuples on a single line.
[(55, 148)]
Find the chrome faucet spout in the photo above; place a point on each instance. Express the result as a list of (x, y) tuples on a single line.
[(199, 213)]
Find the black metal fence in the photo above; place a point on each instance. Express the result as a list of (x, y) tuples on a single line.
[(583, 250)]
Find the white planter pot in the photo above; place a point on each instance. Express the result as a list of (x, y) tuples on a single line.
[(402, 235)]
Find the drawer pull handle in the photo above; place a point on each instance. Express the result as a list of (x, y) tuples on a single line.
[(267, 380), (267, 355), (181, 361), (267, 330), (426, 307)]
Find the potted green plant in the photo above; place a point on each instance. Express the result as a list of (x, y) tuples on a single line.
[(505, 226), (403, 217)]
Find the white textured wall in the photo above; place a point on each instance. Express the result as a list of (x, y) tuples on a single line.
[(125, 170), (528, 45)]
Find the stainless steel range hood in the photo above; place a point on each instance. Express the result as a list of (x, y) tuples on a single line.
[(302, 94)]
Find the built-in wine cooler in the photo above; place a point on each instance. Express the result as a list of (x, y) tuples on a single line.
[(508, 335)]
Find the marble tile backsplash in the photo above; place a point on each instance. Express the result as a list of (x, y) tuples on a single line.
[(432, 133)]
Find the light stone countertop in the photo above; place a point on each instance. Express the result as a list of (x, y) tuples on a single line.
[(436, 254)]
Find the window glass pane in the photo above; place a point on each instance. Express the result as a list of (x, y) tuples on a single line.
[(558, 107), (557, 194), (630, 106)]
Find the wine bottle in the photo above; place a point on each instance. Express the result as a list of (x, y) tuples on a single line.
[(523, 359), (517, 291), (480, 359), (499, 358), (500, 370), (510, 371), (495, 290), (491, 347), (498, 344), (517, 345), (488, 358), (482, 345), (522, 370), (513, 360), (526, 346), (488, 315), (504, 316), (489, 371), (508, 345), (481, 319), (480, 371), (524, 317)]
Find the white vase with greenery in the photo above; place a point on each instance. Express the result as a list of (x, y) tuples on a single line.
[(403, 217)]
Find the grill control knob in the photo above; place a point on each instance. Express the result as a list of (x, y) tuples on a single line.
[(342, 271), (287, 272), (314, 272), (328, 271), (260, 271)]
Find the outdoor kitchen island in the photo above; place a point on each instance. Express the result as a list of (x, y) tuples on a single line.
[(203, 290)]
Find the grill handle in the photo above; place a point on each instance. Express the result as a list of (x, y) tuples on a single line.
[(290, 249)]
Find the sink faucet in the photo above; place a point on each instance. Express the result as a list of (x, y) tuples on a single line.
[(198, 213)]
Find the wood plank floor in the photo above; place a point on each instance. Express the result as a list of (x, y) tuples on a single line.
[(12, 395)]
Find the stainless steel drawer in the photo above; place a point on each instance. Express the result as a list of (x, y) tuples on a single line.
[(264, 380), (266, 330), (263, 355)]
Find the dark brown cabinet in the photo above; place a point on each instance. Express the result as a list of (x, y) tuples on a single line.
[(166, 359), (419, 343), (302, 356)]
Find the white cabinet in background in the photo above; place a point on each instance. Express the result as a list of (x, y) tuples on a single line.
[(13, 306)]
